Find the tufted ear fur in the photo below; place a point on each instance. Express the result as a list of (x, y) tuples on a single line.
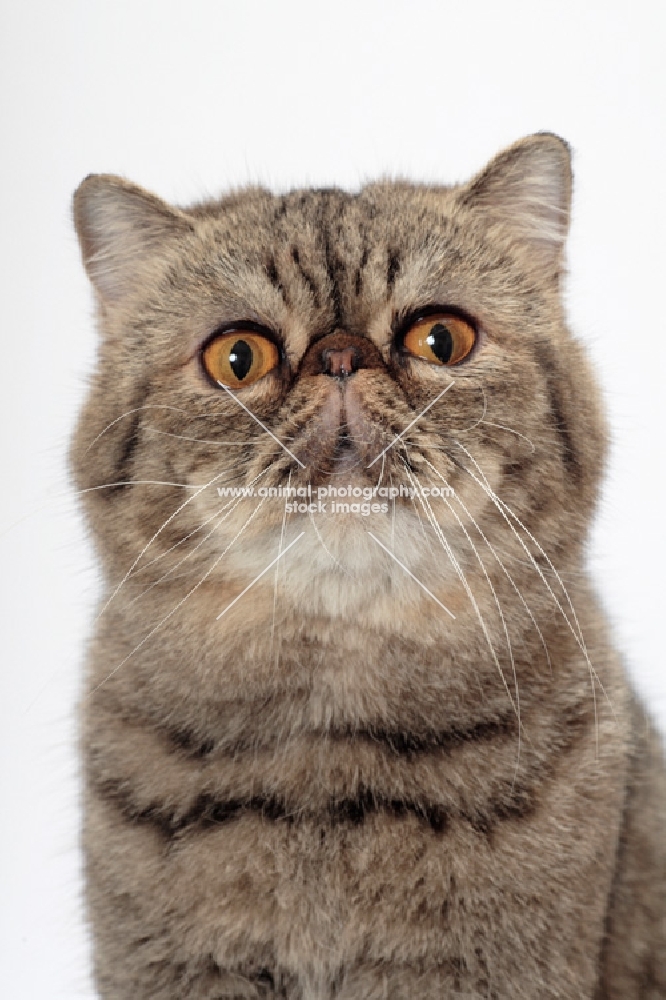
[(528, 187), (121, 230)]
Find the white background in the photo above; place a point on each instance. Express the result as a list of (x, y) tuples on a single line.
[(189, 99)]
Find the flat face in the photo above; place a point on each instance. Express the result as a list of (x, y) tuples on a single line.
[(379, 354)]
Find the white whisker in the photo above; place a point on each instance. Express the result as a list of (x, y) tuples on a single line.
[(489, 423), (160, 530), (180, 603), (127, 413), (189, 554), (184, 437), (67, 494), (481, 420), (330, 555), (411, 424), (381, 471), (468, 590), (502, 507), (494, 552), (277, 565), (577, 634)]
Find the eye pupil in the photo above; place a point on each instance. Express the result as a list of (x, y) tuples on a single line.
[(440, 342), (240, 359)]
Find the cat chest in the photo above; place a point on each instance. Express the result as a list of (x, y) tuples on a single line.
[(374, 879)]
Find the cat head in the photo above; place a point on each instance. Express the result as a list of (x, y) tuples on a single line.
[(397, 339)]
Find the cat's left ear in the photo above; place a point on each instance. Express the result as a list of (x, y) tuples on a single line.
[(528, 187)]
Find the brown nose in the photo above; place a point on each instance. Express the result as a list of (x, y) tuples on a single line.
[(340, 355), (341, 362)]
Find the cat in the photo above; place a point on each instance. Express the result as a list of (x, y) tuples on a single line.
[(353, 725)]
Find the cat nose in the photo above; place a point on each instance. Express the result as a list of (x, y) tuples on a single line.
[(340, 362), (339, 355)]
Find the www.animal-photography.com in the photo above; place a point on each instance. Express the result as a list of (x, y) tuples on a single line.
[(332, 534)]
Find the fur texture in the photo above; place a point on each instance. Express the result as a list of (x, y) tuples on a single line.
[(337, 789)]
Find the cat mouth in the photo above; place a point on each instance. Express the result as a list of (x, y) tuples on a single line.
[(343, 442), (342, 459), (346, 454)]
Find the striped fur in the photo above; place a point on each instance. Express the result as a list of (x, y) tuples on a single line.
[(337, 789)]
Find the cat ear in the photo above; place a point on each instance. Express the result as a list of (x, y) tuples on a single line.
[(528, 186), (122, 229)]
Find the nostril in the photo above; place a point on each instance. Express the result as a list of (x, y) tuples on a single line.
[(340, 355), (341, 362)]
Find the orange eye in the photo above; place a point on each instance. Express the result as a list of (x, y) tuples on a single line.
[(239, 357), (441, 338)]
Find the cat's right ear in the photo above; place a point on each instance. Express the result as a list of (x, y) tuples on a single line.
[(122, 232)]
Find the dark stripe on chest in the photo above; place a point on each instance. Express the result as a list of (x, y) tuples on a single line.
[(397, 743), (208, 811)]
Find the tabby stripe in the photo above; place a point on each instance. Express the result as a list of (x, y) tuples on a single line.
[(513, 801), (307, 278), (639, 752), (569, 455), (392, 268), (208, 811), (358, 279), (333, 265), (274, 278), (405, 744), (398, 742), (122, 468)]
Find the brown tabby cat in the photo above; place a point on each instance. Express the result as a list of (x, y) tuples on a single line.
[(372, 743)]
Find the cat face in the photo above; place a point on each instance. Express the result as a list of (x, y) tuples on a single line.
[(397, 339)]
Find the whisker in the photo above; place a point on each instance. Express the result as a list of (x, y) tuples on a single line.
[(502, 427), (183, 437), (127, 413), (495, 598), (464, 430), (468, 590), (413, 501), (181, 602), (381, 471), (577, 635), (330, 555), (412, 422), (277, 565), (494, 552), (156, 406), (134, 482), (189, 554), (502, 506), (66, 494), (160, 530), (181, 541)]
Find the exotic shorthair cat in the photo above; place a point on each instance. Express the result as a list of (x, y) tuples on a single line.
[(353, 726)]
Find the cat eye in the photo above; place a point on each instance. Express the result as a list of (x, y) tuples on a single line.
[(237, 358), (440, 338)]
